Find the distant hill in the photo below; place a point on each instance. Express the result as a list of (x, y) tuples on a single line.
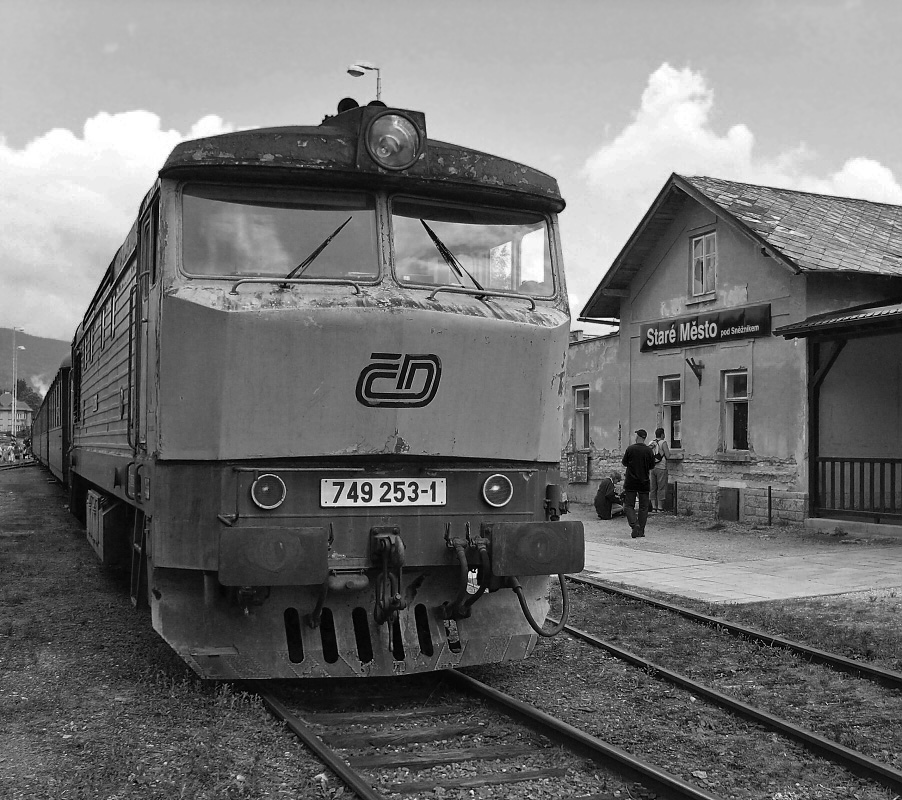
[(36, 364)]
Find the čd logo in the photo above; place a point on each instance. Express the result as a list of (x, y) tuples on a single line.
[(395, 380)]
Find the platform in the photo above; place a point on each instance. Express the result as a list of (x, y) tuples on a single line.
[(736, 565)]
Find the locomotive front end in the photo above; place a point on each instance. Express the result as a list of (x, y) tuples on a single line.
[(357, 421)]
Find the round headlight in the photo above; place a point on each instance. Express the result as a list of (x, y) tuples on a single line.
[(497, 491), (393, 141), (268, 491)]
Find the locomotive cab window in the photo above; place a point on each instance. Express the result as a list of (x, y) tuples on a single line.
[(233, 231), (475, 248)]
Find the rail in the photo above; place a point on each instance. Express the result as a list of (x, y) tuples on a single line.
[(859, 763), (859, 487), (867, 670), (483, 294), (284, 283), (393, 759)]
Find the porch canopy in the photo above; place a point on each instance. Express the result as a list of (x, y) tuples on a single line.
[(848, 323), (855, 433)]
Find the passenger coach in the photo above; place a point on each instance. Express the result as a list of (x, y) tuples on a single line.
[(51, 432)]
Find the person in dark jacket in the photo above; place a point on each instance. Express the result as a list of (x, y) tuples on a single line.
[(639, 461), (607, 502)]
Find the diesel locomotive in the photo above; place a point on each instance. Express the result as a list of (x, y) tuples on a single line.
[(315, 404)]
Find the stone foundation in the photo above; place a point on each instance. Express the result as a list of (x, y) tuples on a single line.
[(705, 500), (707, 486)]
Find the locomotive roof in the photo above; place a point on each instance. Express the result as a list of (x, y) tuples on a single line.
[(333, 147)]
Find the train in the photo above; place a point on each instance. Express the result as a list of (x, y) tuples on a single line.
[(315, 405)]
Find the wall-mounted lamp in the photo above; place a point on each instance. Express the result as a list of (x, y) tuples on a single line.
[(696, 367)]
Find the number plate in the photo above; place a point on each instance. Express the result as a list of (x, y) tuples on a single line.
[(382, 492)]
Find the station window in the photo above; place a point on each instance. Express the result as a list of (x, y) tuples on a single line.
[(736, 410), (672, 409), (581, 417), (704, 263)]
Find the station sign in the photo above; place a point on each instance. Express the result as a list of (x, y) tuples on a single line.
[(718, 326)]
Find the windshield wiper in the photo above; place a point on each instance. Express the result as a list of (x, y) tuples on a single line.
[(450, 260), (299, 269)]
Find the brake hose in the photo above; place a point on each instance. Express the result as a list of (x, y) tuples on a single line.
[(565, 611), (451, 608)]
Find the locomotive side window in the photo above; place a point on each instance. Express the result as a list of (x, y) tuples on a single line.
[(471, 247), (233, 231)]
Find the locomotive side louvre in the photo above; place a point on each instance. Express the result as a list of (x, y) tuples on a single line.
[(102, 375), (310, 469), (102, 400)]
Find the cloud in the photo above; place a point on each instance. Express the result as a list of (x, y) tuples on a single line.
[(67, 202), (859, 177), (670, 132)]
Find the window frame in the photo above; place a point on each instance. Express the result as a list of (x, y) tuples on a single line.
[(665, 379), (672, 411), (731, 403), (259, 192), (709, 264), (581, 418), (516, 249)]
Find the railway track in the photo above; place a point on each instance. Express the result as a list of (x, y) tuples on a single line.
[(15, 465), (887, 677), (849, 758), (474, 735), (462, 734)]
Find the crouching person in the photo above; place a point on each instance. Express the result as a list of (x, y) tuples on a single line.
[(607, 501)]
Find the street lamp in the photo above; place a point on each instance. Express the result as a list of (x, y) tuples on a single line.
[(358, 68), (12, 426)]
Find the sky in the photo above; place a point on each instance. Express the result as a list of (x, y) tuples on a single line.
[(608, 97)]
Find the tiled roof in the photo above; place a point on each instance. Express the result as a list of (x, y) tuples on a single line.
[(815, 231), (884, 316), (803, 231), (6, 402)]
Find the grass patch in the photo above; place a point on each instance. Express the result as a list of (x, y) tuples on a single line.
[(867, 627)]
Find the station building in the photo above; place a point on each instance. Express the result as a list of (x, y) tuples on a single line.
[(762, 329), (23, 414)]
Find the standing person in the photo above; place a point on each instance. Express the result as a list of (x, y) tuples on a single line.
[(638, 460), (661, 451), (606, 498)]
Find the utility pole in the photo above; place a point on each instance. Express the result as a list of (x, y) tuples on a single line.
[(13, 428)]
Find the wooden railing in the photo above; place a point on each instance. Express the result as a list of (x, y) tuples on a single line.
[(865, 487)]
